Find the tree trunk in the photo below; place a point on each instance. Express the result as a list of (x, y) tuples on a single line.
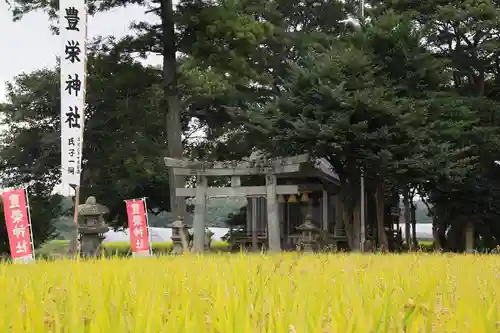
[(356, 227), (407, 218), (172, 106), (437, 232), (469, 238), (345, 212), (442, 232), (347, 217), (380, 204), (413, 218), (455, 238), (435, 236)]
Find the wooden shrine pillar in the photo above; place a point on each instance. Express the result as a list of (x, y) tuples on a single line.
[(339, 218), (200, 211), (273, 225), (254, 217), (324, 210), (248, 222), (252, 221)]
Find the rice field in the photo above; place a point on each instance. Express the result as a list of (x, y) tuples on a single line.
[(254, 293)]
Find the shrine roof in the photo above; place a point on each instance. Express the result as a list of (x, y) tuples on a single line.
[(323, 169)]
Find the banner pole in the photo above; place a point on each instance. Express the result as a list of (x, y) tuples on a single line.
[(147, 226), (28, 208), (74, 246)]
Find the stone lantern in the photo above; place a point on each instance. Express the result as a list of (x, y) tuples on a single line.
[(309, 233), (208, 238), (92, 227), (180, 235)]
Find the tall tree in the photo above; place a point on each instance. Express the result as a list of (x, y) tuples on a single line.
[(251, 43), (372, 102), (172, 103), (465, 33)]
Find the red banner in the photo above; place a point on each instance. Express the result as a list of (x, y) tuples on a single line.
[(138, 226), (18, 223)]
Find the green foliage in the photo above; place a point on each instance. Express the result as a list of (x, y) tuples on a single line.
[(464, 36), (359, 105), (223, 34)]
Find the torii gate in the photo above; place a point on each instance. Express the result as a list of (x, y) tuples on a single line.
[(268, 167)]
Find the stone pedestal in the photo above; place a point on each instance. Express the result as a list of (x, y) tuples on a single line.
[(91, 240)]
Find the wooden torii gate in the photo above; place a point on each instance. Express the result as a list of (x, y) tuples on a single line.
[(268, 167)]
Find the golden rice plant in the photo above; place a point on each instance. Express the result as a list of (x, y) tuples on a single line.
[(253, 294)]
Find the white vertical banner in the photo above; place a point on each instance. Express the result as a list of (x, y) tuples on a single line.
[(73, 32)]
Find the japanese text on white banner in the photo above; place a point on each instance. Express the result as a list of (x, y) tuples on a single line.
[(73, 27)]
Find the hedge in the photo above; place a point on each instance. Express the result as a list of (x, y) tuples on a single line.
[(58, 248), (426, 246)]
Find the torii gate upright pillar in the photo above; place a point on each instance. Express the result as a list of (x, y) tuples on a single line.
[(200, 211), (273, 221)]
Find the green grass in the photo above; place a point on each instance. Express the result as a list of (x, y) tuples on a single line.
[(426, 246), (58, 248)]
